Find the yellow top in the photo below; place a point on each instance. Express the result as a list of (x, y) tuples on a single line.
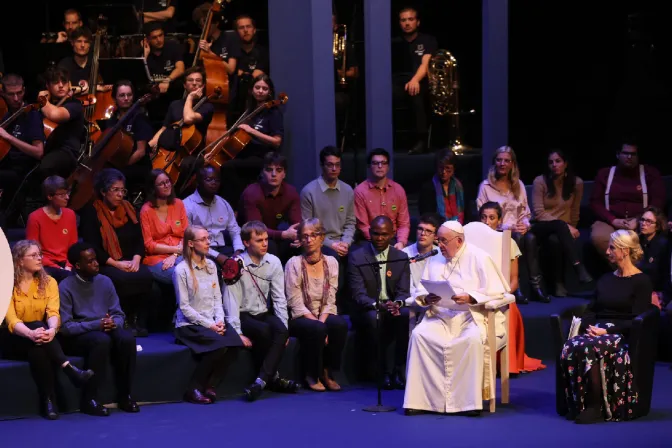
[(33, 307)]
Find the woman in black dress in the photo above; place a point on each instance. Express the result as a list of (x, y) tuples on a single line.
[(656, 260), (110, 224), (199, 320), (596, 363)]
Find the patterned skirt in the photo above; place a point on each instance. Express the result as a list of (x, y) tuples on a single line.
[(619, 393)]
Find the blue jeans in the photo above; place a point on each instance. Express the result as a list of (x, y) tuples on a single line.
[(162, 276)]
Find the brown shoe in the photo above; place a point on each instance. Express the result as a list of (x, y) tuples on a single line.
[(317, 386), (332, 385), (195, 396)]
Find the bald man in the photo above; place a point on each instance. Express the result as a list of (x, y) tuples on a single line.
[(448, 368), (390, 286)]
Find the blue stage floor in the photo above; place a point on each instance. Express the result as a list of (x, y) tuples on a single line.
[(336, 420)]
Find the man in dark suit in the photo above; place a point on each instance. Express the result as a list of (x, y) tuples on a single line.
[(365, 283)]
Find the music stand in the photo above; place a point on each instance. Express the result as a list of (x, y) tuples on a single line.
[(121, 18), (131, 69)]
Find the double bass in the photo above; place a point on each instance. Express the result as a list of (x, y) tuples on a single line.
[(235, 140), (114, 148), (178, 141)]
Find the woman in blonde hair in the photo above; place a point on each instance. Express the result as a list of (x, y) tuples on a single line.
[(504, 186), (32, 320), (595, 364), (199, 319)]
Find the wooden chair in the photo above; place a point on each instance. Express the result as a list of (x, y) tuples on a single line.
[(498, 246)]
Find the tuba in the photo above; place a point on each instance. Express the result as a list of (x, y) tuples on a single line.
[(444, 90), (340, 51)]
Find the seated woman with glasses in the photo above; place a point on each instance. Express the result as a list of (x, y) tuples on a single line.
[(32, 322), (163, 219), (656, 260), (110, 224), (54, 227), (311, 281)]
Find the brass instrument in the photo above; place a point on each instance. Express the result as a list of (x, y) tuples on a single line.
[(444, 90), (340, 51)]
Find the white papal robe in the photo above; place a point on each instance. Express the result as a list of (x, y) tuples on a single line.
[(448, 368)]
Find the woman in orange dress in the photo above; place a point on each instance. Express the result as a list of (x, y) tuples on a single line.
[(519, 362)]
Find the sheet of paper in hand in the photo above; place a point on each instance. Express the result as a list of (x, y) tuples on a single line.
[(574, 328), (444, 290)]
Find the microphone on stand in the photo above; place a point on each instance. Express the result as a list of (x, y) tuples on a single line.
[(423, 256)]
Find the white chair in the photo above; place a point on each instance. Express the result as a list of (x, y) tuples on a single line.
[(6, 275), (498, 246)]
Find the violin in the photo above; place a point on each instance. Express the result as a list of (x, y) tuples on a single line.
[(5, 146), (178, 141), (114, 148), (235, 140), (50, 126)]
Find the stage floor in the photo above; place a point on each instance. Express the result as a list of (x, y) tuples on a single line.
[(336, 420)]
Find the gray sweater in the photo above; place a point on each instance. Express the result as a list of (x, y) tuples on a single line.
[(334, 207), (85, 303)]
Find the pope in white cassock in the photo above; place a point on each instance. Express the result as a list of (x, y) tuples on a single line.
[(448, 368)]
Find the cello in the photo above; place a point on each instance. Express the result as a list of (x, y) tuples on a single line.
[(234, 141), (114, 148), (215, 77), (50, 126), (179, 141)]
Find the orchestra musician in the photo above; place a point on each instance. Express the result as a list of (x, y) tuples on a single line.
[(343, 74), (253, 60), (62, 148), (218, 42), (159, 11), (25, 135), (72, 20), (138, 128), (164, 58), (79, 64)]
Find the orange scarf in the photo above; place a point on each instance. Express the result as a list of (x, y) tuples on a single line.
[(109, 221)]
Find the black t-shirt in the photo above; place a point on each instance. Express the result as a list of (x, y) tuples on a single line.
[(158, 6), (27, 128), (69, 135), (256, 59), (175, 109), (76, 72), (269, 122), (138, 127), (407, 56), (226, 46), (162, 66)]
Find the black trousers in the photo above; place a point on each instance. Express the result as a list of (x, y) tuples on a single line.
[(11, 176), (417, 103), (134, 290), (394, 328), (269, 336), (58, 273), (529, 247), (315, 355), (44, 359), (212, 367), (57, 162), (98, 348), (343, 290), (545, 229)]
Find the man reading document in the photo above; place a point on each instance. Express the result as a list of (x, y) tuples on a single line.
[(448, 368)]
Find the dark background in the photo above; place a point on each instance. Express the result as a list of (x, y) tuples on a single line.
[(582, 75)]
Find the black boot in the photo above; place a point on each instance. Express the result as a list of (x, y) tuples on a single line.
[(140, 328), (520, 298), (92, 407), (284, 385), (582, 273), (49, 409), (538, 293), (76, 376)]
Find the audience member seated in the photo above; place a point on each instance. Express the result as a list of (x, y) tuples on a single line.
[(621, 193), (32, 322), (93, 327), (656, 259), (387, 285), (443, 194), (110, 224), (276, 203), (556, 201), (213, 213), (504, 186), (311, 281), (596, 363), (54, 227), (428, 224), (380, 196), (449, 369), (261, 326), (491, 215), (331, 200), (199, 320), (163, 219)]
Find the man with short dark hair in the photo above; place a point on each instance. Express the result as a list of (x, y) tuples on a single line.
[(164, 58), (247, 310), (276, 203), (378, 196), (389, 286), (253, 60), (79, 64), (92, 326), (72, 20), (428, 225), (412, 52), (217, 42)]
